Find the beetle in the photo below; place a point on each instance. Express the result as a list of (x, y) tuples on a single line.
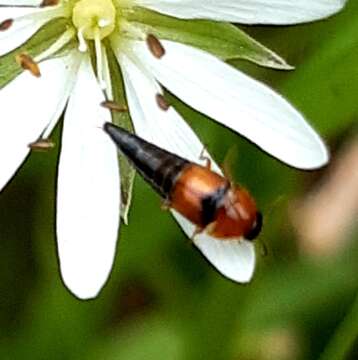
[(209, 200)]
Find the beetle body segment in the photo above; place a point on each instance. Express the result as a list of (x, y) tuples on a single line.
[(197, 194), (204, 197), (157, 166)]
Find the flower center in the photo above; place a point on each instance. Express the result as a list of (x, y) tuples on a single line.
[(94, 19)]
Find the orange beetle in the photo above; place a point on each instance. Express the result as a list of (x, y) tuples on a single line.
[(207, 199)]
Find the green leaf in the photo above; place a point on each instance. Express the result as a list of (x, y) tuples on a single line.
[(41, 41), (307, 284), (150, 339), (221, 39), (325, 85), (122, 119)]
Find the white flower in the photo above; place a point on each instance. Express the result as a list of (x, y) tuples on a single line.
[(88, 195)]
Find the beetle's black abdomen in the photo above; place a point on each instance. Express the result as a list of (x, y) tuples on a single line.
[(158, 166)]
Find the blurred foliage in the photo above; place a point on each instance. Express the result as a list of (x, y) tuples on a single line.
[(163, 301)]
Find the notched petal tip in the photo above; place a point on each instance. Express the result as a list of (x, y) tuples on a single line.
[(234, 259)]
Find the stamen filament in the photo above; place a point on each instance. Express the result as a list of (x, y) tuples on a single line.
[(82, 47), (64, 39), (99, 57), (106, 74)]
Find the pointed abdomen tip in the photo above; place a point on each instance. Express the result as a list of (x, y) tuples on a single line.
[(107, 127)]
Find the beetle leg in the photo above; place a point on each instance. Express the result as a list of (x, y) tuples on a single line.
[(198, 230), (166, 205), (263, 248)]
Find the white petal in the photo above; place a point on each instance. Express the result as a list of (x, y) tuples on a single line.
[(88, 194), (165, 128), (277, 12), (234, 259), (27, 106), (20, 3), (26, 22), (237, 101)]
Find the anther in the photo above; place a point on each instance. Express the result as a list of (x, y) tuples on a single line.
[(155, 46), (49, 3), (162, 103), (6, 24), (113, 106), (28, 63), (42, 145)]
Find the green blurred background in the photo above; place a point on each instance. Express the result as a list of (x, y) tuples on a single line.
[(163, 300)]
